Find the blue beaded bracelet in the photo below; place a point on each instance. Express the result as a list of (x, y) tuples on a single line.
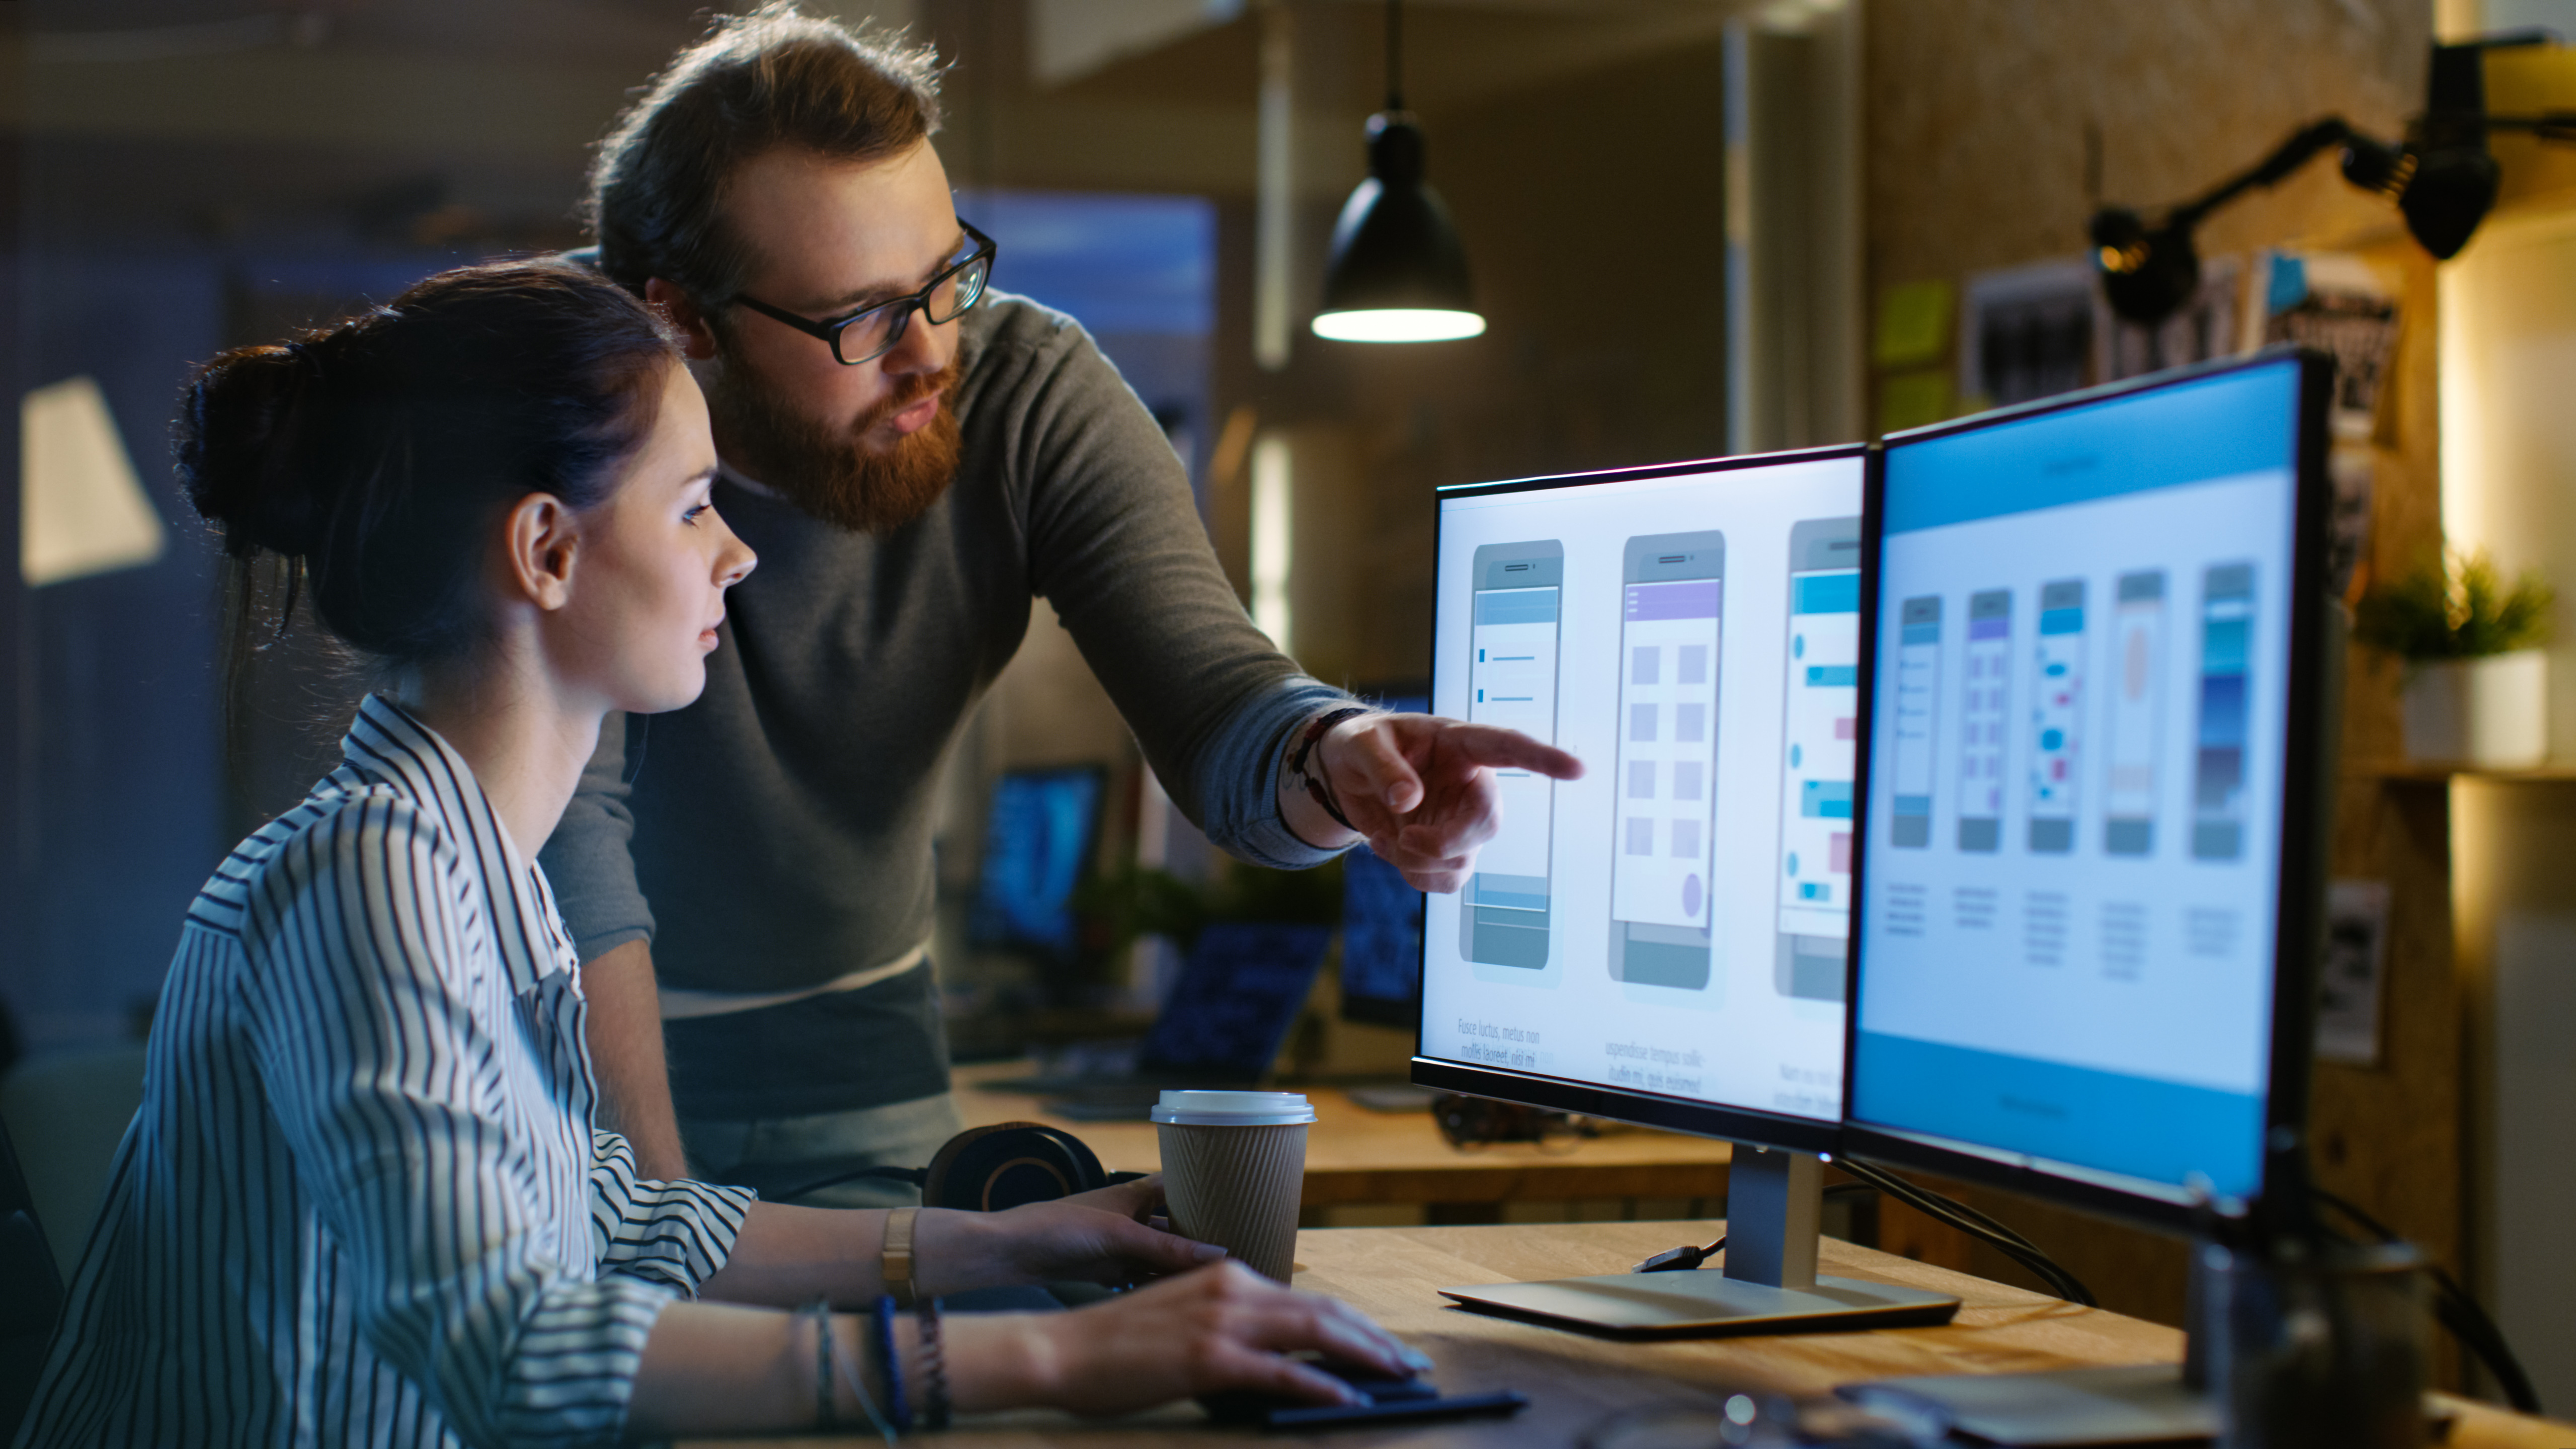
[(896, 1409)]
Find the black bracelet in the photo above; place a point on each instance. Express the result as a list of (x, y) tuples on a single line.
[(896, 1410), (1318, 788), (934, 1368), (827, 1418)]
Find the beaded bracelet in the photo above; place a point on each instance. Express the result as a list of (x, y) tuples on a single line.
[(859, 1391), (896, 1409), (934, 1369), (826, 1417)]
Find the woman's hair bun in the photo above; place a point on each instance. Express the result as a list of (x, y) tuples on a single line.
[(374, 456), (244, 450)]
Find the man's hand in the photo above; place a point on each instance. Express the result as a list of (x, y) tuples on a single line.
[(1421, 788)]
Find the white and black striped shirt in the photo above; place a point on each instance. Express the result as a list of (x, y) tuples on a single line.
[(363, 1202)]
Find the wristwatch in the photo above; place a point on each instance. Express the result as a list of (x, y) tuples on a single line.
[(898, 1254)]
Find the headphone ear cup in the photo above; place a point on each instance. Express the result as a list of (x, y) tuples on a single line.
[(987, 1169)]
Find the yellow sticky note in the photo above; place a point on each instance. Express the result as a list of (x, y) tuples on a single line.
[(1913, 323), (1912, 399)]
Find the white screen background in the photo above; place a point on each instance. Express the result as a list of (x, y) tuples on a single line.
[(1740, 1042)]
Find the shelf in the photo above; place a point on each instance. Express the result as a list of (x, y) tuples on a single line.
[(2420, 772)]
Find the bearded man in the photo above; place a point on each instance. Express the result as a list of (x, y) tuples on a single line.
[(915, 457)]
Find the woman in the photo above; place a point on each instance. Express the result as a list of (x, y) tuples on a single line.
[(363, 1201)]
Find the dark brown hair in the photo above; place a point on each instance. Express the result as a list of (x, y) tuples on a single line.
[(773, 78), (370, 457)]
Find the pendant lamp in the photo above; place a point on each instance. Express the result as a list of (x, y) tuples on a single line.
[(1397, 273)]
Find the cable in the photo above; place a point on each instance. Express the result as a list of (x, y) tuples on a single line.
[(1976, 1225), (2458, 1312), (1932, 1205), (917, 1176), (1952, 1206), (1674, 1260), (1395, 55)]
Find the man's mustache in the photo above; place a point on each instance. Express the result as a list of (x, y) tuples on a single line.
[(912, 390)]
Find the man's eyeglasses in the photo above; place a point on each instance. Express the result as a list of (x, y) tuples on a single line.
[(872, 331)]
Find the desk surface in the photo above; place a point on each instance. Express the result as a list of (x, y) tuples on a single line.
[(1574, 1381), (1354, 1155)]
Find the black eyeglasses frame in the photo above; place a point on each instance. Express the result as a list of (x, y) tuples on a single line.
[(830, 332)]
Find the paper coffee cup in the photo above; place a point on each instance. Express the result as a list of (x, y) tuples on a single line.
[(1234, 1171)]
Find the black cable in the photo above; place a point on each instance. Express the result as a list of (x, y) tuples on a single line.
[(1395, 55), (1948, 1209), (1955, 1206), (1932, 1205), (917, 1176), (1673, 1260), (2457, 1311), (1976, 1225)]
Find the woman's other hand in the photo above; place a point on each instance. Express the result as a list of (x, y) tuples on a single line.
[(1221, 1328), (1092, 1237)]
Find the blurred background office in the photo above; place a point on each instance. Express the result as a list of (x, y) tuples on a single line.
[(1694, 227)]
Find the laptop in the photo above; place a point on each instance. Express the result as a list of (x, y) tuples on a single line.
[(1240, 992)]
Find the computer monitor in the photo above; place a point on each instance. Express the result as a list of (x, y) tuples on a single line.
[(1038, 842), (1382, 918), (2099, 744), (1660, 941)]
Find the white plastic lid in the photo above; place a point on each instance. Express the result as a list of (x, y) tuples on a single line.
[(1234, 1109)]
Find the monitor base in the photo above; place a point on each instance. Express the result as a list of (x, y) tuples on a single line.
[(2131, 1404), (1705, 1303)]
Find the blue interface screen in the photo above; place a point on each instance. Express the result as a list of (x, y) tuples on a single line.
[(2073, 832), (1037, 842)]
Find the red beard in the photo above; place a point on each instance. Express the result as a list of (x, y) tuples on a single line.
[(835, 474)]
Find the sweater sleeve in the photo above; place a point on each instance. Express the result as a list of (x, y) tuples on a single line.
[(386, 1080), (1116, 546), (588, 859)]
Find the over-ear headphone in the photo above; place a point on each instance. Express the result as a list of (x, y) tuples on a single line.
[(985, 1169)]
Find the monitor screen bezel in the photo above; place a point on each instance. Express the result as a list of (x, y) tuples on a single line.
[(1626, 1104), (2305, 787)]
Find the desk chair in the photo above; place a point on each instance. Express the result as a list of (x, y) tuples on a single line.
[(31, 1292)]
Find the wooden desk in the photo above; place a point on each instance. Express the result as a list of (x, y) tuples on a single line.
[(1354, 1155), (1574, 1381)]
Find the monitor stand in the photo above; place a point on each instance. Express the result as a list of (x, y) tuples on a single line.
[(2153, 1403), (1769, 1284)]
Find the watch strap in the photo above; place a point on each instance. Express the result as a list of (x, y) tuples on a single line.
[(898, 1254)]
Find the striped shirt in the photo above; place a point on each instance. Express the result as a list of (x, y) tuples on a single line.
[(362, 1202)]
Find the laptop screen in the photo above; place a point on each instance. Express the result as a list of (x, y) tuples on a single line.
[(1239, 994)]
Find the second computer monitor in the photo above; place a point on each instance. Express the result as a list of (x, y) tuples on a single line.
[(1661, 940), (2096, 730)]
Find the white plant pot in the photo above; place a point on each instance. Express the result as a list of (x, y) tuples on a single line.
[(2492, 713)]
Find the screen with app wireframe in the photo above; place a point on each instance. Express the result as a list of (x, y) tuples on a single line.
[(2073, 830), (1674, 921)]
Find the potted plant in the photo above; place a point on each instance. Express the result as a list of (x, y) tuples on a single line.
[(2476, 681)]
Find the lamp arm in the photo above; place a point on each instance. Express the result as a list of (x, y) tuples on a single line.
[(2548, 125), (2272, 170)]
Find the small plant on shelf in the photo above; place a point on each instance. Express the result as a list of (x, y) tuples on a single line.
[(2456, 608)]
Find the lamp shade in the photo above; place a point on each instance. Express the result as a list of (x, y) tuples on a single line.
[(1397, 272)]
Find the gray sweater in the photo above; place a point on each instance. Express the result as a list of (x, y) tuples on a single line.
[(777, 833)]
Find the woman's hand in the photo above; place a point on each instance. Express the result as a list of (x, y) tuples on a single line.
[(1223, 1327), (1092, 1237)]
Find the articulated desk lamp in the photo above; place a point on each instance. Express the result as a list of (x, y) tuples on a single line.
[(2441, 176)]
